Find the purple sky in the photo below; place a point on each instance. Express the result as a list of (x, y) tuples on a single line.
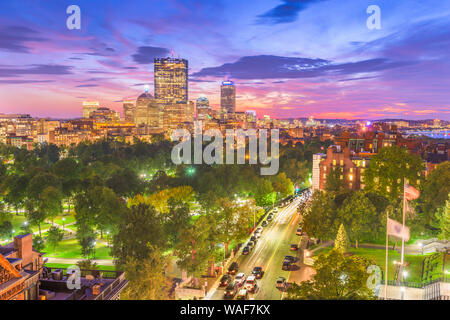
[(288, 58)]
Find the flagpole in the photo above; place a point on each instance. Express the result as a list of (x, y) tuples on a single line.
[(403, 229), (386, 269)]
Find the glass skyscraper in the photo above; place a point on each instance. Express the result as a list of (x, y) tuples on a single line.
[(171, 80), (227, 98)]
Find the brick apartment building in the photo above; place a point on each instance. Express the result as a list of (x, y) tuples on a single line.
[(351, 165)]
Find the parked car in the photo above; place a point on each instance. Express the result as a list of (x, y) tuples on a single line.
[(299, 232), (286, 265), (234, 267), (242, 295), (269, 217), (257, 235), (240, 279), (280, 283), (225, 280), (246, 250), (258, 272), (231, 290), (253, 238), (294, 247), (275, 209), (250, 284), (250, 244), (259, 229), (264, 223), (291, 259)]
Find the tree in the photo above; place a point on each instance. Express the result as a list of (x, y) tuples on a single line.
[(319, 220), (263, 192), (443, 217), (54, 237), (434, 192), (388, 169), (334, 182), (16, 190), (360, 217), (177, 218), (283, 185), (38, 243), (138, 226), (337, 278), (124, 183), (196, 245), (297, 171), (147, 280), (341, 243), (69, 172), (6, 229), (86, 265)]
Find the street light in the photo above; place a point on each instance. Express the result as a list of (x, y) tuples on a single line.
[(421, 246)]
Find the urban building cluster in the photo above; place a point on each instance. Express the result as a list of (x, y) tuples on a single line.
[(353, 148)]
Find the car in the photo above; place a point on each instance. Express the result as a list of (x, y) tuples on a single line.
[(240, 279), (225, 280), (250, 284), (299, 232), (246, 250), (258, 272), (257, 235), (294, 247), (250, 244), (253, 238), (234, 267), (231, 290), (242, 295), (280, 283), (286, 265), (291, 259), (275, 209), (259, 229), (264, 223), (269, 218)]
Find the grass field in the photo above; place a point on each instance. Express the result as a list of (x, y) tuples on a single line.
[(378, 256), (64, 265), (71, 249)]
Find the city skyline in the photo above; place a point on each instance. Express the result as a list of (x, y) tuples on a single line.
[(288, 59)]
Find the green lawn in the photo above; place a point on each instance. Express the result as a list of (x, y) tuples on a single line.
[(69, 218), (378, 256), (17, 222), (71, 249), (64, 265)]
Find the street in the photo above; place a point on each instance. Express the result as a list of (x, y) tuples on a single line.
[(269, 252)]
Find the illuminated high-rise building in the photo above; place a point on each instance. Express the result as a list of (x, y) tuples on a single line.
[(203, 108), (148, 112), (171, 80), (128, 110), (227, 98), (89, 107)]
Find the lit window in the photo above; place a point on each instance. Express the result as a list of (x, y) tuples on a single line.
[(341, 177), (351, 177), (334, 162), (388, 189), (364, 162), (342, 162)]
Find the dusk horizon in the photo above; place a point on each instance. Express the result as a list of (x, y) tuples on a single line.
[(287, 60)]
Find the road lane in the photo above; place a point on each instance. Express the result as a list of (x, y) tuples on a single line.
[(269, 253)]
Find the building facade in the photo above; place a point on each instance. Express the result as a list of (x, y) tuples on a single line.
[(227, 98), (171, 80)]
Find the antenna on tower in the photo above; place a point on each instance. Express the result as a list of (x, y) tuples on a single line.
[(172, 53)]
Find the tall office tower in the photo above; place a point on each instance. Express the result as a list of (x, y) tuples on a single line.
[(141, 111), (203, 108), (227, 98), (89, 107), (128, 110), (171, 80)]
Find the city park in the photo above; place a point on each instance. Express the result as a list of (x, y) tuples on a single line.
[(102, 201)]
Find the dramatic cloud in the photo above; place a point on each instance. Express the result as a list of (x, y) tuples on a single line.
[(36, 69), (87, 85), (14, 38), (275, 67), (145, 55), (286, 12), (24, 81)]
